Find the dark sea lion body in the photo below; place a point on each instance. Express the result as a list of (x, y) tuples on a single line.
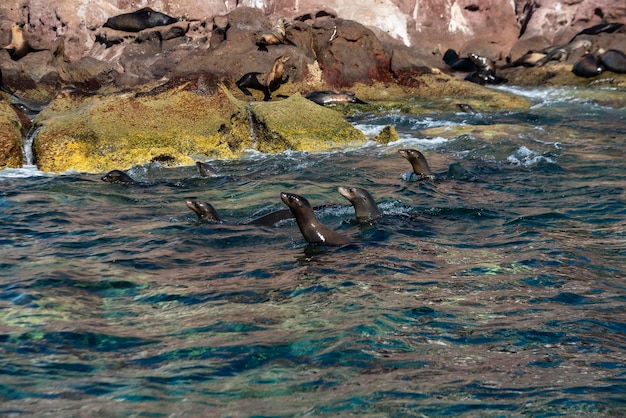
[(418, 162), (451, 57), (313, 231), (486, 73), (118, 176), (587, 66), (266, 82), (332, 97), (614, 60), (139, 20), (205, 211), (365, 208), (204, 169), (600, 28)]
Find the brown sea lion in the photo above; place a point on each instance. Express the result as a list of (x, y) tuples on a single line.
[(265, 82), (451, 57), (365, 208), (313, 231), (204, 169), (118, 176), (19, 46), (614, 60), (332, 97), (139, 20), (589, 65), (205, 211), (562, 52), (277, 35), (418, 162)]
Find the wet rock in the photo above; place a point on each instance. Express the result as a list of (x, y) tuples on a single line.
[(11, 139)]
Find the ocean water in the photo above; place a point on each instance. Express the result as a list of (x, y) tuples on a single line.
[(501, 293)]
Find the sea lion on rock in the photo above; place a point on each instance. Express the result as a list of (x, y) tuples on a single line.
[(277, 35), (118, 176), (418, 162), (139, 20), (451, 57), (332, 97), (313, 231), (486, 73), (600, 28), (614, 60), (365, 208), (204, 169), (562, 52), (589, 65), (205, 211), (19, 46), (265, 82)]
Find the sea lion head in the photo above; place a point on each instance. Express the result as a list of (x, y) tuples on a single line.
[(205, 211), (117, 176), (365, 208), (418, 162)]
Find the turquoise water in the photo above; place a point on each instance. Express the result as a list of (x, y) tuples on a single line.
[(498, 294)]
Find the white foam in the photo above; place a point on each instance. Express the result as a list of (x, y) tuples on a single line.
[(24, 172), (526, 157)]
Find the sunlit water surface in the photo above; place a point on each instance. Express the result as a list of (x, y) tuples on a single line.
[(500, 294)]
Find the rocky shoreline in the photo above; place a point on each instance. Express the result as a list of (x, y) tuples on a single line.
[(169, 93)]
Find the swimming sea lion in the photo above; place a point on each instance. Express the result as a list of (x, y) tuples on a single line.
[(205, 211), (205, 169), (275, 36), (451, 57), (588, 65), (313, 231), (19, 47), (139, 20), (614, 60), (467, 108), (118, 176), (332, 97), (418, 162), (365, 208), (266, 82), (486, 73)]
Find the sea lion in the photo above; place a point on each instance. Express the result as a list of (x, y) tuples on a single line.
[(600, 28), (466, 108), (365, 208), (277, 35), (418, 162), (118, 176), (614, 60), (265, 82), (313, 231), (204, 169), (451, 57), (205, 211), (19, 46), (562, 52), (588, 65), (332, 97), (139, 20), (486, 73)]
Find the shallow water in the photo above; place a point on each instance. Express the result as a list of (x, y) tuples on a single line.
[(499, 294)]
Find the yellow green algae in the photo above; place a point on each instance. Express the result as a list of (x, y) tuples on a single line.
[(11, 139)]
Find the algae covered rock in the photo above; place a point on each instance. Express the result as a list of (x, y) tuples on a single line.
[(11, 139), (98, 133), (299, 124)]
